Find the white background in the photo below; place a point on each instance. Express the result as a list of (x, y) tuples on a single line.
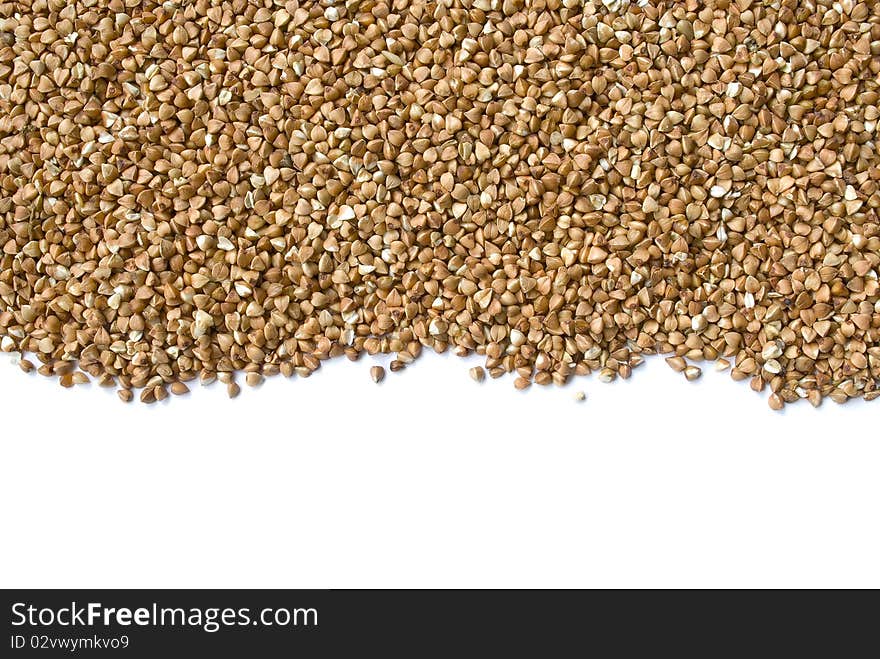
[(431, 480)]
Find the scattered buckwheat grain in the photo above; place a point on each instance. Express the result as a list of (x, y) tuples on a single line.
[(692, 372), (179, 388)]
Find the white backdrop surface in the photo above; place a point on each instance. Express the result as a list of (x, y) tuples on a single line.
[(432, 480)]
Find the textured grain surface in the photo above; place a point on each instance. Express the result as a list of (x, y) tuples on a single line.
[(193, 188)]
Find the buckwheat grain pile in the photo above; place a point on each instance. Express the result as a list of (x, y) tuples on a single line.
[(194, 188)]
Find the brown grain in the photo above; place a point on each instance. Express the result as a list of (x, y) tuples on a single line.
[(194, 189)]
